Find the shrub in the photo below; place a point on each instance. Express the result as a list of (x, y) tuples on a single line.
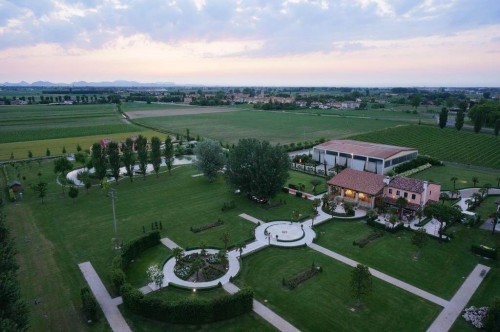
[(89, 304), (298, 194), (207, 226), (117, 278), (228, 206), (296, 280), (375, 224), (132, 249), (484, 251), (417, 162), (367, 239)]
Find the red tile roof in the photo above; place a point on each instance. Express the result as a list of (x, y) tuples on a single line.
[(365, 182), (363, 148), (407, 184)]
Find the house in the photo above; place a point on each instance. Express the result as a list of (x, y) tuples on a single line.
[(15, 185), (365, 189), (104, 142), (188, 100), (362, 156)]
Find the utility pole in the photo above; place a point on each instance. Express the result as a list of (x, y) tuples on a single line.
[(112, 194)]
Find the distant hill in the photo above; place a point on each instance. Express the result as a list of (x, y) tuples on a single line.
[(119, 83)]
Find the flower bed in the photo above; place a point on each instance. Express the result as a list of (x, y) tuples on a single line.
[(207, 226), (475, 316), (296, 280), (211, 273)]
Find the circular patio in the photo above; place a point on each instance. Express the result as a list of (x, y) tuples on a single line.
[(285, 233)]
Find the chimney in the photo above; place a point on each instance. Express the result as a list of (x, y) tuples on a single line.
[(424, 194), (387, 179)]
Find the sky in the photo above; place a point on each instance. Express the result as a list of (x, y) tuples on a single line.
[(253, 42)]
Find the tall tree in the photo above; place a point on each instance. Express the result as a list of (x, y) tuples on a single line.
[(62, 166), (113, 152), (258, 168), (402, 203), (478, 122), (475, 180), (41, 190), (415, 101), (459, 120), (454, 179), (142, 154), (169, 153), (443, 117), (210, 158), (98, 159), (444, 214), (156, 154), (361, 283), (128, 158)]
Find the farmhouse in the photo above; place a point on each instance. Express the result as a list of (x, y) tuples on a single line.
[(362, 156), (365, 188)]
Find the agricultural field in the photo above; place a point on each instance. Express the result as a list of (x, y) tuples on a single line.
[(444, 144), (40, 122), (276, 127)]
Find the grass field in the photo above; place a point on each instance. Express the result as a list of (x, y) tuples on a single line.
[(305, 179), (272, 126), (464, 174), (443, 144), (440, 268), (324, 303)]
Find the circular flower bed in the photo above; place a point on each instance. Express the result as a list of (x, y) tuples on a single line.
[(200, 267)]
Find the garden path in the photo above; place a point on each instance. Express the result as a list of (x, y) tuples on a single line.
[(454, 307), (108, 305), (264, 312)]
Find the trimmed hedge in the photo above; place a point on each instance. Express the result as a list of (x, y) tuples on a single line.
[(132, 249), (188, 311), (375, 224), (296, 280), (484, 251), (417, 162), (206, 226)]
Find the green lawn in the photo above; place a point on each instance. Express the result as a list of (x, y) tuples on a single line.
[(136, 270), (324, 303), (305, 179), (464, 174), (488, 206), (276, 127), (440, 268), (444, 144)]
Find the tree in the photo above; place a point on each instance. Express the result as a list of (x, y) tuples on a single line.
[(419, 239), (197, 265), (443, 117), (142, 155), (114, 159), (155, 154), (169, 153), (316, 203), (98, 160), (78, 148), (459, 120), (30, 154), (178, 253), (495, 216), (225, 238), (454, 180), (155, 275), (64, 150), (415, 101), (475, 180), (62, 166), (73, 193), (402, 203), (478, 122), (361, 282), (210, 158), (258, 168), (128, 158), (47, 152), (444, 214), (41, 190), (315, 182)]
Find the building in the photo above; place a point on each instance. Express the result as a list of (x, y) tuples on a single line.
[(362, 156), (365, 188)]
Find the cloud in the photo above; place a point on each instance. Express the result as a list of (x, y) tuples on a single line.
[(282, 27)]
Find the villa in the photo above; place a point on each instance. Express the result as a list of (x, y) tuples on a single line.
[(366, 189)]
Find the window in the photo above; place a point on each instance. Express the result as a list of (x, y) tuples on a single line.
[(413, 196), (405, 195), (430, 192), (390, 191), (397, 193)]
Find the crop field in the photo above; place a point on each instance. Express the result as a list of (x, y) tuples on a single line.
[(143, 106), (444, 144), (276, 127), (39, 122)]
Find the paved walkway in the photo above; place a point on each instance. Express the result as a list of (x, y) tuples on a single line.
[(264, 312), (169, 243), (382, 276), (108, 305), (250, 218), (454, 308)]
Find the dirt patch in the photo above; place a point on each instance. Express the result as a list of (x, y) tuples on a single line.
[(178, 111)]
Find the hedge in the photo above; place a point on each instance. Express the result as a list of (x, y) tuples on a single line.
[(484, 251), (417, 162), (375, 224), (132, 249), (188, 311)]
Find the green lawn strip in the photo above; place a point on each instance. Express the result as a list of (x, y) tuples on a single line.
[(136, 271), (276, 127), (445, 144), (488, 206), (324, 302), (305, 179), (441, 268), (129, 106), (39, 147), (464, 174), (247, 322)]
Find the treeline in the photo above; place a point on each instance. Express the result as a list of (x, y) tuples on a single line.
[(13, 309), (486, 113)]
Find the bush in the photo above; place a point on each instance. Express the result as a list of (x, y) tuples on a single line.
[(394, 229), (298, 194), (188, 311), (228, 206), (132, 249), (207, 226), (417, 162), (89, 304), (117, 278), (367, 239), (484, 251), (296, 280)]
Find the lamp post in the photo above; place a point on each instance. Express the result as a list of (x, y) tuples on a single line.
[(112, 194)]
